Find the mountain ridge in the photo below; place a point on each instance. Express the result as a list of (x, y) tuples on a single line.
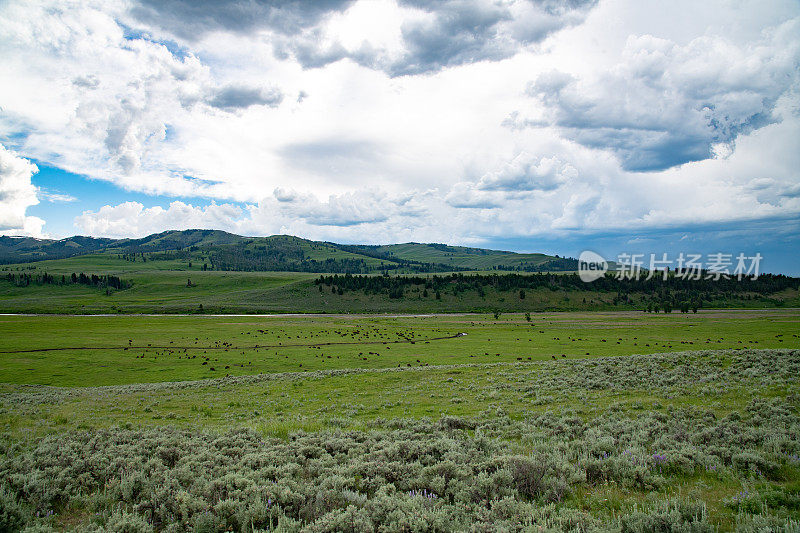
[(230, 251)]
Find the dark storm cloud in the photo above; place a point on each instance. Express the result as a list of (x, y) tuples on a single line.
[(456, 32), (643, 150), (190, 19), (669, 105), (648, 134), (461, 32), (467, 31)]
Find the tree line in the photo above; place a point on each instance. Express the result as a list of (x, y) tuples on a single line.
[(419, 267), (558, 264), (93, 280), (658, 293), (288, 256)]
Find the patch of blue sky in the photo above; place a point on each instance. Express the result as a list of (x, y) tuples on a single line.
[(777, 241), (14, 139), (132, 34), (88, 194)]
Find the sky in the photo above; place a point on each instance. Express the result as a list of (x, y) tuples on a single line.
[(620, 126)]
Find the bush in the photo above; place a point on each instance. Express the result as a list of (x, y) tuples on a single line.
[(122, 521), (672, 516), (456, 473), (12, 514)]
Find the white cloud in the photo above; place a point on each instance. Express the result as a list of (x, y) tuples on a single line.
[(664, 104), (54, 196), (348, 209), (529, 173), (17, 193), (232, 97), (467, 195), (301, 117), (132, 219)]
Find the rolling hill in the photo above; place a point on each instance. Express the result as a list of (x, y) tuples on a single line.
[(24, 249), (201, 271), (220, 250), (462, 257)]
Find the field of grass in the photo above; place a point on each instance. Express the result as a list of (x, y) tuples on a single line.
[(682, 441), (621, 421), (163, 287), (110, 350)]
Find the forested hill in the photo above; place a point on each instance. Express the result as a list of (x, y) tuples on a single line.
[(219, 250), (23, 249)]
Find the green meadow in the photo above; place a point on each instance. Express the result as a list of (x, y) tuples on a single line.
[(553, 421), (181, 286), (111, 350), (694, 440)]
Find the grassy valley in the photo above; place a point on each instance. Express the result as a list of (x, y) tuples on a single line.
[(159, 385), (215, 272), (650, 423)]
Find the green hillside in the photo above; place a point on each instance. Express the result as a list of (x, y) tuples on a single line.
[(21, 249), (175, 240), (219, 250), (185, 285), (474, 258), (200, 271)]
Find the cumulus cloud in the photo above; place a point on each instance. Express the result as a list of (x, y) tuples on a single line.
[(403, 120), (190, 19), (432, 35), (132, 219), (274, 214), (528, 173), (580, 191), (17, 193), (348, 209), (468, 196), (667, 104), (232, 97), (458, 32), (282, 208), (519, 178), (107, 107), (117, 105)]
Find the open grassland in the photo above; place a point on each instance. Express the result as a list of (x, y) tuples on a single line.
[(688, 441), (622, 421), (157, 286), (109, 350), (182, 286)]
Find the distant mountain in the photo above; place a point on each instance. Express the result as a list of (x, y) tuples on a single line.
[(463, 257), (226, 251), (23, 249), (177, 240)]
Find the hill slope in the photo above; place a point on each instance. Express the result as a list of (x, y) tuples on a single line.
[(220, 250), (476, 258), (23, 249)]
